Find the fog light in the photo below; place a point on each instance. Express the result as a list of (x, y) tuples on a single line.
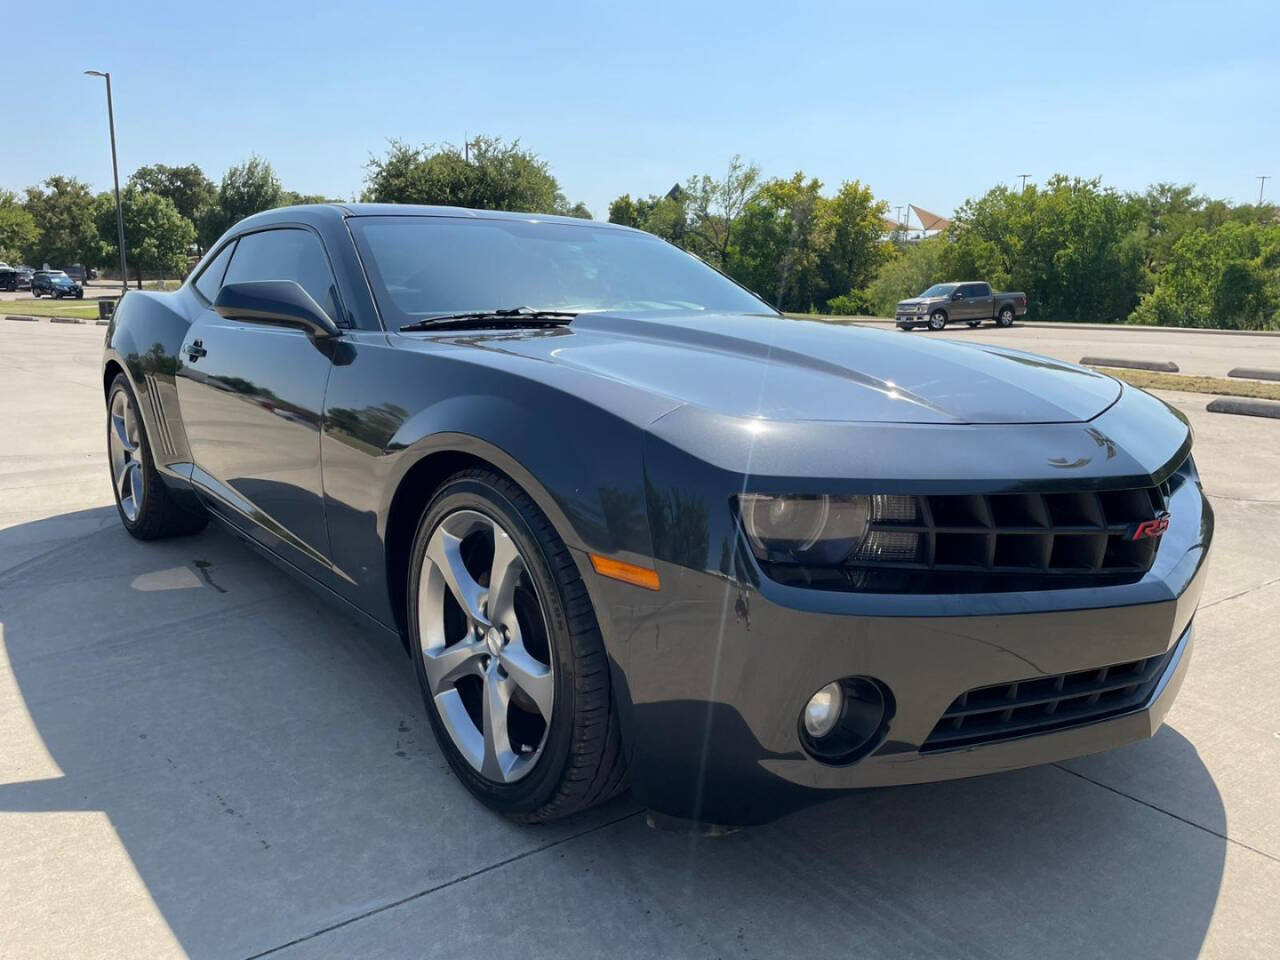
[(846, 720), (822, 713)]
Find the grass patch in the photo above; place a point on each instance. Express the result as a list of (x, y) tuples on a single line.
[(1148, 380), (84, 309)]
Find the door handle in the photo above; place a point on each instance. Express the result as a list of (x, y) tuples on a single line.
[(196, 350)]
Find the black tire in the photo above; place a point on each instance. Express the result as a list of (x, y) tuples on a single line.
[(160, 515), (1005, 318), (938, 320), (582, 762), (35, 293)]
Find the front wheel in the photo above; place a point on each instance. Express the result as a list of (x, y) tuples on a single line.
[(35, 293), (1005, 319), (509, 655), (146, 507), (938, 320)]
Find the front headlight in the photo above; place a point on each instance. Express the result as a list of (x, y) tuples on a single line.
[(826, 531)]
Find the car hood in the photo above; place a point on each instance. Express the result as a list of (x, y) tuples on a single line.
[(781, 369)]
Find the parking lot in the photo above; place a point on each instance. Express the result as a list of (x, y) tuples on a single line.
[(197, 756)]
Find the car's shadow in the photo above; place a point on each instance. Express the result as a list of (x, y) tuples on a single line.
[(265, 762)]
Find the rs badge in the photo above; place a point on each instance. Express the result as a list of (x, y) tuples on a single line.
[(1151, 528)]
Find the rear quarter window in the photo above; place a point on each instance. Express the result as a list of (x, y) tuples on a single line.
[(210, 279)]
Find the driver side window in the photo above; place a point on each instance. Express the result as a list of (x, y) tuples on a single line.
[(289, 253)]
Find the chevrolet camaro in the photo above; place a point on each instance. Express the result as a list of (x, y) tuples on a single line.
[(636, 529)]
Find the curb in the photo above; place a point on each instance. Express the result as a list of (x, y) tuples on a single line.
[(1253, 373), (22, 317), (1246, 407), (1158, 366), (65, 320)]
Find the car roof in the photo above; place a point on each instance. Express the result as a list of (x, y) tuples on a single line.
[(319, 212)]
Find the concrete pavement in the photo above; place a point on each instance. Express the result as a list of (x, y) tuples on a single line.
[(1195, 352), (197, 756)]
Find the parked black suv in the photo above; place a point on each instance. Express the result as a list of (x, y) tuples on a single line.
[(56, 284)]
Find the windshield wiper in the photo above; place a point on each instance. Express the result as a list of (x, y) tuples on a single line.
[(515, 316)]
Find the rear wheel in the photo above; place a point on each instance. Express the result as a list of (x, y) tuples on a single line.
[(1005, 319), (938, 320), (509, 655), (146, 507)]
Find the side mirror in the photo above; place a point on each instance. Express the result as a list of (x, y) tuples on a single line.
[(957, 295), (280, 302)]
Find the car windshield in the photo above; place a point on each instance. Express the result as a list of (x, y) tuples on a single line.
[(940, 290), (425, 266)]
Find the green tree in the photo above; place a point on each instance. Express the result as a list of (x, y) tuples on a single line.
[(1074, 247), (64, 216), (854, 223), (578, 210), (712, 208), (488, 174), (291, 198), (245, 189), (1224, 277), (906, 274), (192, 194), (157, 238), (665, 217), (624, 211), (18, 230), (782, 235)]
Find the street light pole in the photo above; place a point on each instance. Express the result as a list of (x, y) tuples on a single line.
[(1024, 181), (1262, 182), (115, 173)]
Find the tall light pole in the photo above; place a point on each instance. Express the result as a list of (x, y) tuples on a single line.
[(115, 173), (1262, 182), (1024, 181)]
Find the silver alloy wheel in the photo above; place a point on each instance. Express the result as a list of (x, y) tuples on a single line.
[(937, 320), (500, 665), (124, 444), (1006, 317)]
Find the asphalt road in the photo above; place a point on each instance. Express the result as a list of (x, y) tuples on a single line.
[(198, 756)]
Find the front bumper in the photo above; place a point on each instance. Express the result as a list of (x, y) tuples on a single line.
[(712, 673)]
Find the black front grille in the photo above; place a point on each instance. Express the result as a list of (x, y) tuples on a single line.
[(1042, 704), (998, 542), (1008, 541)]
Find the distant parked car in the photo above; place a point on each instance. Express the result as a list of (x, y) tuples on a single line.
[(56, 284), (25, 274), (8, 278), (970, 303), (80, 273)]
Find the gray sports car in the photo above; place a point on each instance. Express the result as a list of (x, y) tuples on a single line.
[(635, 528)]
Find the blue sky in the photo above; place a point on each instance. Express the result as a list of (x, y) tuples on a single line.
[(927, 103)]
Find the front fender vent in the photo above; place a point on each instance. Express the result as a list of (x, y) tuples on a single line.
[(161, 436)]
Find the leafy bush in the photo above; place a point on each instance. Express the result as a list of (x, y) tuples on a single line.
[(851, 304)]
